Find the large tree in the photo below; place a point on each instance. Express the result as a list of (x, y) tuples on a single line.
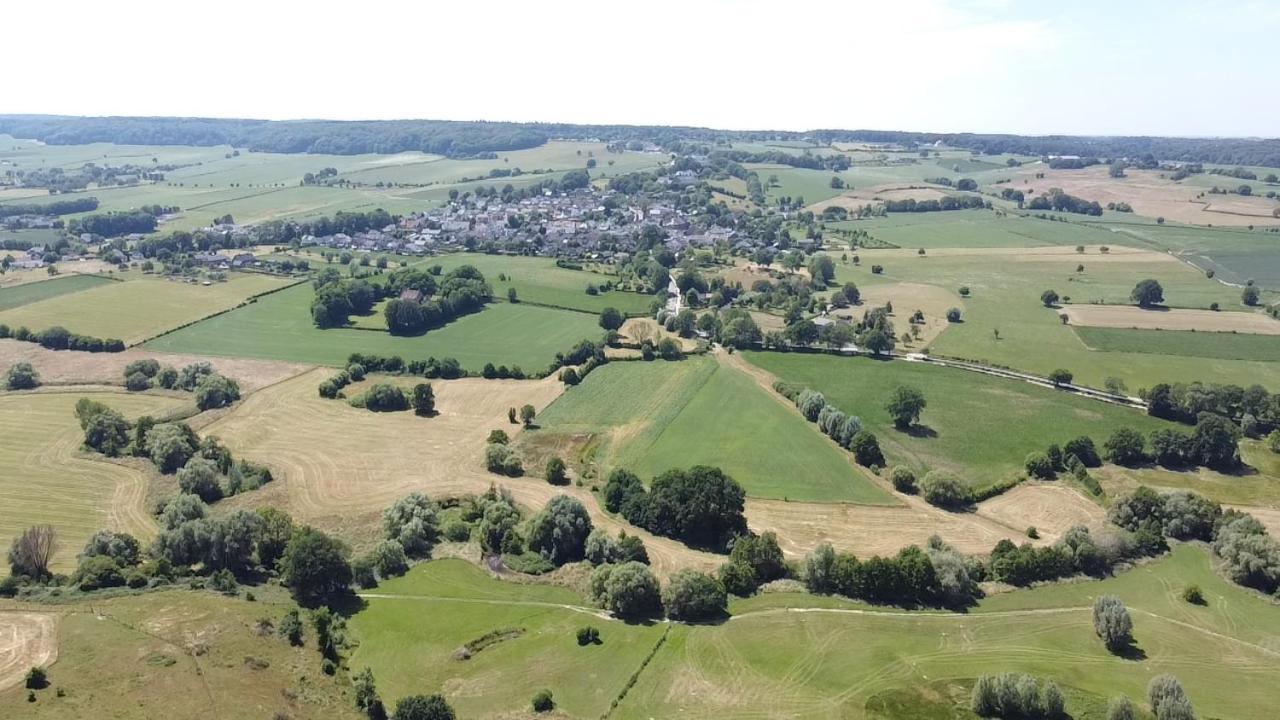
[(559, 532), (315, 566), (1147, 293), (905, 405)]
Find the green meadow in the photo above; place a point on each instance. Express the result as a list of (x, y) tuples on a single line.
[(279, 327), (27, 293), (979, 426), (1216, 345), (651, 417), (540, 281)]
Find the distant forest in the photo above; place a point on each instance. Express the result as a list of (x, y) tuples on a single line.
[(478, 139)]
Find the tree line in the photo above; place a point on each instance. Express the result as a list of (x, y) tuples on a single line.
[(57, 207)]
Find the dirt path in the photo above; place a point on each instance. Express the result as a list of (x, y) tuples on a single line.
[(27, 639)]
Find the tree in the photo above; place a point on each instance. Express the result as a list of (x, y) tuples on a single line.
[(611, 318), (904, 481), (1039, 466), (1049, 298), (1215, 442), (953, 315), (701, 506), (543, 702), (366, 692), (905, 405), (693, 595), (315, 566), (1147, 293), (1060, 377), (1126, 446), (819, 573), (414, 522), (30, 553), (170, 445), (628, 590), (200, 477), (1112, 623), (424, 400), (423, 707), (941, 488), (527, 414), (1120, 708), (559, 532), (822, 269), (216, 391), (22, 376), (866, 449), (1249, 296), (1168, 700), (273, 535), (556, 471), (37, 678)]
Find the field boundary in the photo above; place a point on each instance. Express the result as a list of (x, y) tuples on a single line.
[(247, 301)]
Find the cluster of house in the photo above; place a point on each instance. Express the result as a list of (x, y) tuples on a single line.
[(30, 222)]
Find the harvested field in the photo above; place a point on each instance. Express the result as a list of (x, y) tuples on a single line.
[(58, 367), (1049, 253), (49, 480), (340, 466), (876, 194), (867, 530), (748, 273), (1051, 509), (1131, 316), (26, 640), (640, 329)]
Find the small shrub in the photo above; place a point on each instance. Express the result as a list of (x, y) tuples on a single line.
[(588, 635), (904, 481), (1193, 595), (543, 702), (37, 678), (1033, 533)]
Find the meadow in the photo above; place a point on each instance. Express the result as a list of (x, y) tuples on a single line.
[(965, 412), (140, 307), (651, 417), (32, 292), (835, 659), (279, 327), (539, 281), (48, 480), (1219, 346)]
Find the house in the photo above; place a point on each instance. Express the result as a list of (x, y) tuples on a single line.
[(242, 260), (208, 259), (411, 295)]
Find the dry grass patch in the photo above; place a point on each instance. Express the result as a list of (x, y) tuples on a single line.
[(1051, 509), (337, 467), (27, 639), (1132, 316), (906, 298), (1092, 254), (644, 328)]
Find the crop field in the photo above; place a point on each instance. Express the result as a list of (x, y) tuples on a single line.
[(27, 293), (48, 480), (1216, 345), (279, 327), (965, 411), (1236, 255), (176, 654), (650, 417), (836, 658), (1004, 322), (1206, 321), (539, 281), (140, 308)]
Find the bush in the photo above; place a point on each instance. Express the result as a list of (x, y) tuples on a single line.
[(216, 391), (413, 522), (1084, 451), (1193, 595), (588, 635), (1112, 623), (904, 481), (37, 678), (556, 471), (457, 531), (382, 397), (1120, 708), (945, 490), (628, 590), (22, 376), (1016, 695), (1039, 466), (542, 702), (953, 315), (423, 707), (502, 460), (692, 595), (559, 532), (424, 400), (137, 382), (866, 449), (1168, 700)]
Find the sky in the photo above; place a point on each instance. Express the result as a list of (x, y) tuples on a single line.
[(1168, 67)]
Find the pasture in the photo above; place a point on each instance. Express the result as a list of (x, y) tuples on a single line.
[(49, 480), (33, 292), (537, 280), (138, 308), (279, 327), (806, 656), (651, 417), (980, 427)]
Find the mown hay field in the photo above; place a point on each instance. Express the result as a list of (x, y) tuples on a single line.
[(279, 327), (48, 479), (27, 293), (139, 308), (1183, 343), (1207, 321)]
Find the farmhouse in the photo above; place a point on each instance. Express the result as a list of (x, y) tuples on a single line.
[(411, 295)]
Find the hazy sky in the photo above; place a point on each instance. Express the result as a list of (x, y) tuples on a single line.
[(1164, 67)]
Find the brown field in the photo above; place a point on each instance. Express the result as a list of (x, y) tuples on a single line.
[(632, 330), (65, 367), (27, 639), (337, 467), (1150, 195), (1131, 316), (1050, 508), (876, 194), (749, 272), (906, 298), (1047, 253)]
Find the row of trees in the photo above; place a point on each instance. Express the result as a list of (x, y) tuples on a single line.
[(212, 389), (846, 430), (59, 338), (114, 224), (700, 506), (57, 207)]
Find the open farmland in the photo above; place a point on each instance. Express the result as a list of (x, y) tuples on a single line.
[(27, 293), (1208, 321), (48, 480), (279, 327), (140, 308), (965, 411), (27, 639), (651, 417), (1187, 343), (539, 281)]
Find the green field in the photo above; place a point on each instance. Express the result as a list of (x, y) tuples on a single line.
[(650, 417), (279, 327), (47, 480), (1221, 346), (979, 426), (139, 308), (842, 659), (27, 293), (537, 280)]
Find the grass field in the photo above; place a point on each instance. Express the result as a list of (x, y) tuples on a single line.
[(839, 659), (27, 293), (979, 426), (139, 308), (48, 480), (1220, 346), (538, 280), (279, 327), (180, 654), (650, 417)]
